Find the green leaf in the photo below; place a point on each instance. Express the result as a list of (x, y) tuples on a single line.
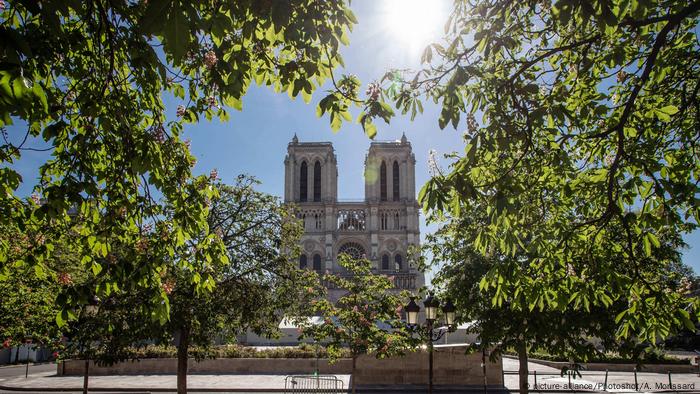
[(647, 246), (370, 129), (176, 33)]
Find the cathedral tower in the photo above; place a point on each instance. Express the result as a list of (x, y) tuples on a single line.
[(381, 228)]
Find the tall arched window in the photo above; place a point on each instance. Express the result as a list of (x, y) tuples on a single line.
[(317, 262), (303, 182), (398, 262), (302, 261), (317, 181), (382, 181), (395, 179), (385, 262)]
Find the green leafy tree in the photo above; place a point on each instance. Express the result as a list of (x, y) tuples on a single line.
[(365, 320), (85, 80), (586, 143), (253, 289), (559, 322), (28, 304)]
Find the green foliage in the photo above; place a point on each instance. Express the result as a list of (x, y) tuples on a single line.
[(558, 312), (365, 320), (580, 150), (612, 358), (258, 282), (228, 351), (28, 304), (251, 287), (85, 81)]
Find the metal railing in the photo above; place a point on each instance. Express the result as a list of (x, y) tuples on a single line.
[(606, 381), (313, 384)]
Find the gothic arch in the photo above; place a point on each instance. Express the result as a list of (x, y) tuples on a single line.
[(303, 181), (395, 176), (382, 181), (317, 262), (317, 181), (398, 262)]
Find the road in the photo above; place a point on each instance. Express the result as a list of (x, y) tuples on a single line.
[(13, 371)]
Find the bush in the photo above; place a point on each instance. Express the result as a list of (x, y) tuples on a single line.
[(648, 357), (229, 351)]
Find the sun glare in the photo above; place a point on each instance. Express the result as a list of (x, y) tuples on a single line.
[(413, 24)]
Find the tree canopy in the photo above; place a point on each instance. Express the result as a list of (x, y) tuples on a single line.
[(581, 145), (253, 290), (85, 81), (559, 322), (366, 318)]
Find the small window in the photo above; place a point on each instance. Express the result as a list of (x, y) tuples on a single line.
[(385, 262), (317, 262), (302, 261), (398, 262)]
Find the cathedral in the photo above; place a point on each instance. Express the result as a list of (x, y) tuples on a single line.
[(381, 227)]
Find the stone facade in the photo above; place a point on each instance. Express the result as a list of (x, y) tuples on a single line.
[(380, 228)]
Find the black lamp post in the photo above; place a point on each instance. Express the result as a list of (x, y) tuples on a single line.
[(432, 305)]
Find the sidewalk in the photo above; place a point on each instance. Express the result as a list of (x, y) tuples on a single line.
[(549, 379), (48, 381)]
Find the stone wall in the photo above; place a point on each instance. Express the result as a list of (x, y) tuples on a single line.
[(451, 367), (167, 366)]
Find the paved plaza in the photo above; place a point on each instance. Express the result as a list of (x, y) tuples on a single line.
[(550, 379), (43, 378)]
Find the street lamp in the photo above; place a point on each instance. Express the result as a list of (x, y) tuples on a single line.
[(432, 305), (449, 310), (412, 310)]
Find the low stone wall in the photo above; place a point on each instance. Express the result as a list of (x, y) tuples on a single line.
[(451, 367), (166, 366), (619, 367)]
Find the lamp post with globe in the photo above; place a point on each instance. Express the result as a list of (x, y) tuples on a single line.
[(428, 331)]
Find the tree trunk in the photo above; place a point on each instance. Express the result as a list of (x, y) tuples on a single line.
[(182, 356), (86, 375), (352, 374), (523, 371)]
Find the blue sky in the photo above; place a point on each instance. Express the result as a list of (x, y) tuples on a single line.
[(254, 141)]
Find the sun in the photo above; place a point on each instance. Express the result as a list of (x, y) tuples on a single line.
[(413, 24)]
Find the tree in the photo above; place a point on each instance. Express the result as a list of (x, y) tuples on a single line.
[(85, 80), (588, 131), (28, 305), (366, 319), (552, 323), (258, 285)]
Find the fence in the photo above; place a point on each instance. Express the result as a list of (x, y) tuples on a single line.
[(606, 381), (312, 384)]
